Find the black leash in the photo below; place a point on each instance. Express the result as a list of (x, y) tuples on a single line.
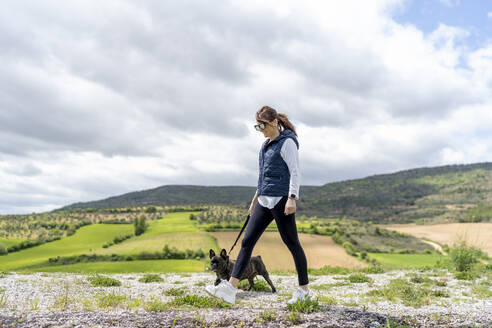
[(242, 229)]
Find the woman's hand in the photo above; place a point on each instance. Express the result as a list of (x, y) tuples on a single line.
[(290, 206), (253, 202)]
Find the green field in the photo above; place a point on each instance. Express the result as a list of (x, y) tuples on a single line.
[(174, 229), (177, 230), (127, 267), (406, 260), (84, 240)]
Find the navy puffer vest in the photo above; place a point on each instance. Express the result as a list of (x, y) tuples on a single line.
[(274, 175)]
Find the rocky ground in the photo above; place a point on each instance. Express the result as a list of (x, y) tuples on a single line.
[(69, 300)]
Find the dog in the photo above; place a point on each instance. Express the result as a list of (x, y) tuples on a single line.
[(222, 266)]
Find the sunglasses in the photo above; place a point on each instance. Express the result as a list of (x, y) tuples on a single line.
[(260, 127)]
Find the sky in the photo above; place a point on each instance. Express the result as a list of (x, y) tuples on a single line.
[(98, 99)]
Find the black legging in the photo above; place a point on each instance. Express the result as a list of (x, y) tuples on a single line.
[(260, 218)]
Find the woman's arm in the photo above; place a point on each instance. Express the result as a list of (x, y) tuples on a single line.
[(291, 157), (253, 202)]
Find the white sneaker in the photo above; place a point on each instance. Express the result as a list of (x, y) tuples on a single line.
[(300, 295), (224, 290)]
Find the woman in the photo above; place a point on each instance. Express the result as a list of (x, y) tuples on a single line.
[(275, 198)]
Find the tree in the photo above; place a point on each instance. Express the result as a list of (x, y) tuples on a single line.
[(140, 225), (150, 209), (3, 250)]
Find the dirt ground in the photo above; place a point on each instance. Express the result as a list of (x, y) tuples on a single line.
[(477, 234), (319, 250)]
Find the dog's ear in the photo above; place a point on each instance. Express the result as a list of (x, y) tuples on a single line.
[(211, 253), (223, 253)]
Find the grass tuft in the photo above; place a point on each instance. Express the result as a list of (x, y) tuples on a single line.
[(110, 300), (173, 291), (306, 306), (151, 278), (358, 278), (258, 286), (102, 281), (408, 293), (200, 301)]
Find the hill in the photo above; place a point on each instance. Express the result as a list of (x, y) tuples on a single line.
[(451, 193)]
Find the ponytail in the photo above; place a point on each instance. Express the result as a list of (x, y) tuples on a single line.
[(269, 114), (285, 123)]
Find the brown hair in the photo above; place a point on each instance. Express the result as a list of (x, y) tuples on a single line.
[(267, 113)]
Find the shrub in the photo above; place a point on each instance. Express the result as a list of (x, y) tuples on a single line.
[(268, 315), (151, 278), (150, 209), (359, 278), (173, 291), (3, 249), (99, 280), (348, 247), (375, 268), (463, 275), (306, 306), (140, 225), (464, 257), (293, 318)]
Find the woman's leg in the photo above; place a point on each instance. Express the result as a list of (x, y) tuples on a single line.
[(259, 220), (288, 231)]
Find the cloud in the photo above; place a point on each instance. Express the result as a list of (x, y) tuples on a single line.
[(98, 99), (27, 169), (451, 3)]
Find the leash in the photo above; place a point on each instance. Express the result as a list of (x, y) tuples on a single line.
[(242, 229)]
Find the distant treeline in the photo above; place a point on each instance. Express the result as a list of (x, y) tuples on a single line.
[(405, 196)]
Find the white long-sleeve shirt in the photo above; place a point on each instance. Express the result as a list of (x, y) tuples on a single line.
[(290, 155)]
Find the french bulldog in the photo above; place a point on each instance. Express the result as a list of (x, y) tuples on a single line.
[(222, 266)]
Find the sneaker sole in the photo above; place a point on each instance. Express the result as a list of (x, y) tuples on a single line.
[(226, 301), (210, 293), (218, 297)]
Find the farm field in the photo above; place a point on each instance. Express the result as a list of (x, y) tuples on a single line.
[(476, 234), (319, 250), (174, 229), (84, 240), (177, 230), (407, 261)]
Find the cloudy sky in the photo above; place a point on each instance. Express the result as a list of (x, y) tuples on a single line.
[(100, 98)]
